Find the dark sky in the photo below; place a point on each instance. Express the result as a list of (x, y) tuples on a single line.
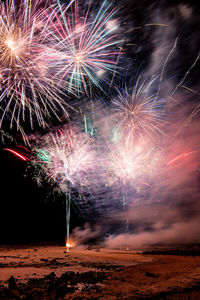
[(29, 213), (25, 215)]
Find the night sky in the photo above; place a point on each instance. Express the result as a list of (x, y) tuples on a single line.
[(167, 209)]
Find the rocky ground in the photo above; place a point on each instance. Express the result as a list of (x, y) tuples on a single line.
[(52, 273)]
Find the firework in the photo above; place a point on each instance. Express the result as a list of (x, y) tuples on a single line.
[(137, 114), (17, 154), (25, 91), (131, 167), (85, 47), (66, 157), (132, 163)]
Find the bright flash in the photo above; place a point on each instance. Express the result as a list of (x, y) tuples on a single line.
[(78, 57), (10, 43), (68, 246)]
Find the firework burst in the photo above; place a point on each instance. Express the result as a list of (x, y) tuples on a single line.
[(25, 90), (85, 47), (137, 114), (132, 163), (66, 157)]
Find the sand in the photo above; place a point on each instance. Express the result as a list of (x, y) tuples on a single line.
[(49, 272)]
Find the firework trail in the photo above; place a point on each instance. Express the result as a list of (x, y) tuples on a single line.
[(24, 158), (26, 93), (66, 158), (85, 48)]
